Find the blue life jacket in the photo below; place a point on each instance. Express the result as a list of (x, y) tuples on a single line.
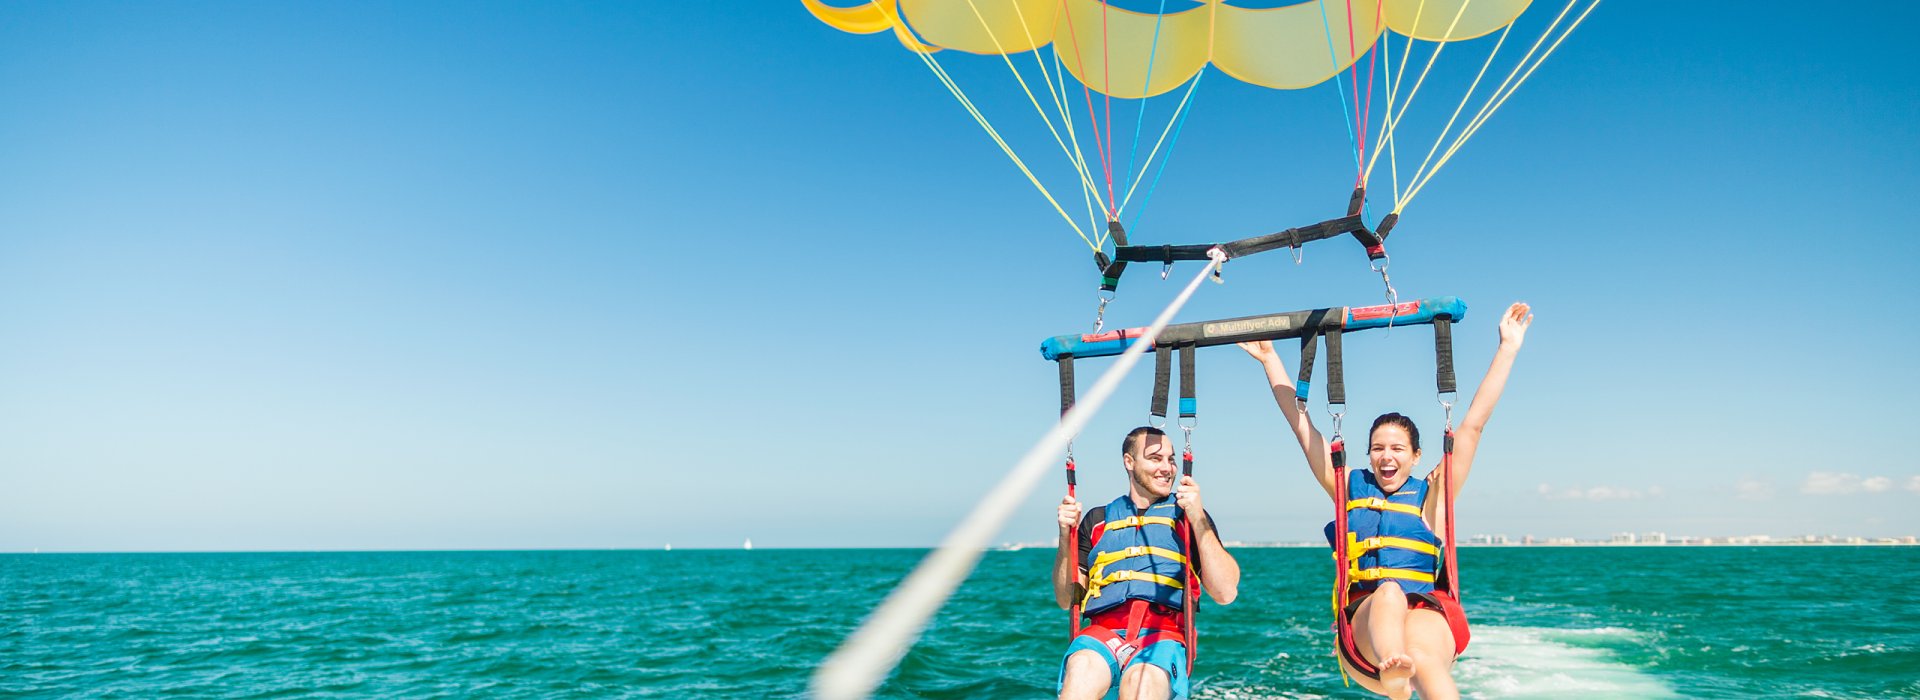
[(1137, 556), (1387, 539)]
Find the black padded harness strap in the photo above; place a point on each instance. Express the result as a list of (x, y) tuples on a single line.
[(1336, 383), (1187, 403), (1162, 374), (1067, 391), (1304, 378)]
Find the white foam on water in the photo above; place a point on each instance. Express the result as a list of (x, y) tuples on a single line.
[(1539, 662)]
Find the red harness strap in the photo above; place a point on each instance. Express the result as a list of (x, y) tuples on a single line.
[(1158, 622), (1437, 601), (1145, 623), (1189, 636)]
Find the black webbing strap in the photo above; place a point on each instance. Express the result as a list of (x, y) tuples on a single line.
[(1290, 238), (1066, 384), (1374, 240), (1304, 383), (1162, 373), (1443, 355), (1336, 383), (1110, 270), (1376, 248), (1310, 335), (1112, 267), (1188, 407), (1294, 237)]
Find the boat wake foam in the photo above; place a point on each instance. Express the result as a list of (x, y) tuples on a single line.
[(1540, 662)]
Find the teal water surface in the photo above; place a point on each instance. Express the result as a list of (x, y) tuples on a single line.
[(1548, 622)]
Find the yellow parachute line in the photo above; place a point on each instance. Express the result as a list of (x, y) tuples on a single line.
[(1502, 93), (1086, 176), (1393, 118)]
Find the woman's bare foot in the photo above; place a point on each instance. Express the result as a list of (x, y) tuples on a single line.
[(1395, 671)]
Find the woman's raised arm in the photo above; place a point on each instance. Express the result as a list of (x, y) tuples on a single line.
[(1312, 444), (1466, 438)]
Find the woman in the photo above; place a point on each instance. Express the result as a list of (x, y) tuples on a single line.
[(1401, 625)]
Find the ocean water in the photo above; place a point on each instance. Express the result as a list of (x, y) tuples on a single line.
[(1824, 622)]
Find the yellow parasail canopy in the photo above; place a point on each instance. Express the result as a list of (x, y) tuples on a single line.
[(1108, 48)]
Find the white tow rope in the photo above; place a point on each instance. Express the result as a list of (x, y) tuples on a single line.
[(871, 652)]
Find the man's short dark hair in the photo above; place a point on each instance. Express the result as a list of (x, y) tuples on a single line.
[(1133, 438)]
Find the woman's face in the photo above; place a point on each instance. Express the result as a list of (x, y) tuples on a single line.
[(1391, 453)]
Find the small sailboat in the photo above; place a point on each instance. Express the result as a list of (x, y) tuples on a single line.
[(749, 545), (669, 546)]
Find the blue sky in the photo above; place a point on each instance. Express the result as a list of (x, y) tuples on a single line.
[(503, 275)]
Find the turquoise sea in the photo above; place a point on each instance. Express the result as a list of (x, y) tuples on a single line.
[(1828, 622)]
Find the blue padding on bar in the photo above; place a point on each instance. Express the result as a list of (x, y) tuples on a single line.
[(1300, 392), (1078, 346), (1423, 311), (1187, 407)]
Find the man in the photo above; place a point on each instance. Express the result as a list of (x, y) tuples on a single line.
[(1130, 571)]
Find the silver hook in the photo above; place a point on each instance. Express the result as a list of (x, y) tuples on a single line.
[(1393, 295), (1100, 314)]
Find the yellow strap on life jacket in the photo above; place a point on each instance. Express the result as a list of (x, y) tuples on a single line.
[(1097, 575), (1094, 585), (1378, 574), (1371, 503), (1101, 562), (1357, 547), (1137, 521)]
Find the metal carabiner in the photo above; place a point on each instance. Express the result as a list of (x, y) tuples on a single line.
[(1100, 314), (1393, 295)]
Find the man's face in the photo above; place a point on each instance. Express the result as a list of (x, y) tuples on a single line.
[(1153, 466)]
